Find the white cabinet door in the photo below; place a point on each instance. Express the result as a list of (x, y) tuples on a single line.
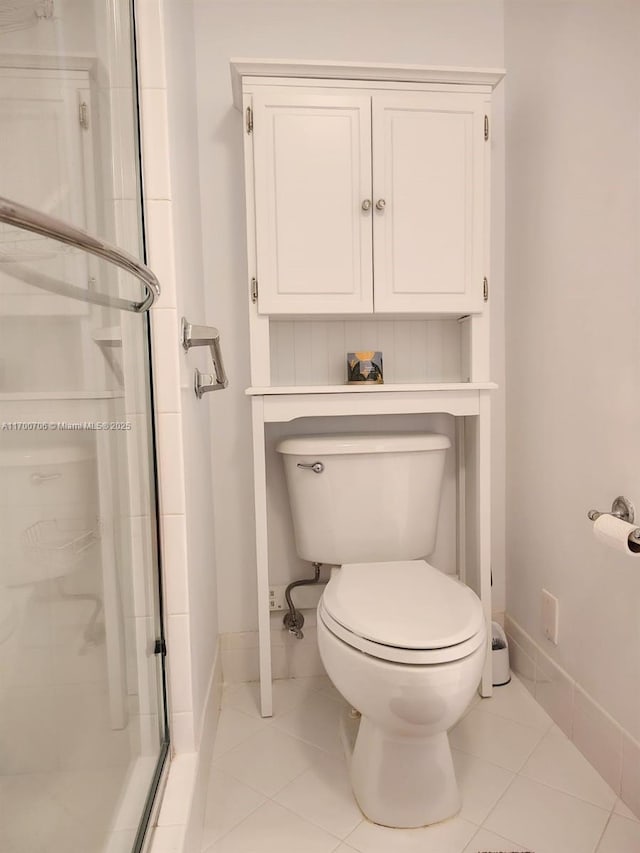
[(43, 165), (312, 161), (429, 195)]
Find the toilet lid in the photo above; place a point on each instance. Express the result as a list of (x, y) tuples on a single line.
[(409, 604)]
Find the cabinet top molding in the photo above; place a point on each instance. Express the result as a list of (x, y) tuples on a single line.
[(375, 72)]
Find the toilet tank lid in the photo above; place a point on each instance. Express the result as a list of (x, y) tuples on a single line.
[(363, 442)]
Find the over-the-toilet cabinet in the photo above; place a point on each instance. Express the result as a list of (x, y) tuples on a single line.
[(369, 199), (367, 190)]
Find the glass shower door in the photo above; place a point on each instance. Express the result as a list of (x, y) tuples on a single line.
[(82, 710)]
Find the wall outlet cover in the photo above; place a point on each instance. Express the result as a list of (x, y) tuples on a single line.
[(304, 597)]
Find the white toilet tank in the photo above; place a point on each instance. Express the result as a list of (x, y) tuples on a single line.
[(374, 497)]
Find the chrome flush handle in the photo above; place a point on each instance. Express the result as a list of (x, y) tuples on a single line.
[(316, 467)]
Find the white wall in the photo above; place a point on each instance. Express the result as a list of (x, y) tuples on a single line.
[(573, 318), (190, 292), (439, 33)]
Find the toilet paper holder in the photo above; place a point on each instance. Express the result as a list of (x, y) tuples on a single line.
[(621, 508)]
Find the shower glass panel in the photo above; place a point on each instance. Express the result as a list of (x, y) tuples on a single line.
[(83, 733)]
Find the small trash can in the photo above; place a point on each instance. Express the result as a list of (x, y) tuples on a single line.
[(499, 655)]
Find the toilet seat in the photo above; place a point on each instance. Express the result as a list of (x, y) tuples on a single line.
[(397, 654), (406, 612)]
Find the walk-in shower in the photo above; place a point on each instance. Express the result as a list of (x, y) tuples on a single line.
[(83, 731)]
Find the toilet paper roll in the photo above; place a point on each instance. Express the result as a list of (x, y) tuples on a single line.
[(617, 534)]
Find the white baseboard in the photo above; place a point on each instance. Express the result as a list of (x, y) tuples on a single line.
[(195, 820), (609, 747), (290, 657)]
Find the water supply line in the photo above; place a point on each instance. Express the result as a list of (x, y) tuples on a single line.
[(294, 620)]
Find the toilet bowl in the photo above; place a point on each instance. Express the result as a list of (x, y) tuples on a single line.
[(409, 659), (404, 643)]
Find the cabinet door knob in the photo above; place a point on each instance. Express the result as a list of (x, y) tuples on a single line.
[(366, 204), (381, 204)]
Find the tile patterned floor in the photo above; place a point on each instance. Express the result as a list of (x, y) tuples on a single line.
[(282, 783)]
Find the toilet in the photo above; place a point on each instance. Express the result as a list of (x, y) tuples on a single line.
[(403, 642)]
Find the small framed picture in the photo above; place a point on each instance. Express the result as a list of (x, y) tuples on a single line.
[(364, 367)]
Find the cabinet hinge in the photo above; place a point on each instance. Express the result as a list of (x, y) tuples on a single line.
[(485, 289), (486, 128), (254, 289), (249, 120), (83, 115), (160, 647)]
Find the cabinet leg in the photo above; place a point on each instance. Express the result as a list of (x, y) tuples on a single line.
[(262, 555), (483, 498)]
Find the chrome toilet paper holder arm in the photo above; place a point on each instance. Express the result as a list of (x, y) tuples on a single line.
[(621, 508)]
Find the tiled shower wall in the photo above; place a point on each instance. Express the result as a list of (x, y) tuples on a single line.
[(164, 327), (182, 422)]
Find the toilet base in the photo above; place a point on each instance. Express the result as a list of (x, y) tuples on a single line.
[(403, 782)]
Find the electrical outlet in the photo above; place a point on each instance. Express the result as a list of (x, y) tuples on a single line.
[(304, 597), (276, 598), (550, 616)]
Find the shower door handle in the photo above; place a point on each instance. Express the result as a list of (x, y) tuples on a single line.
[(205, 336), (29, 219)]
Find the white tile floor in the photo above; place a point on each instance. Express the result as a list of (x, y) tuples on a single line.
[(282, 783)]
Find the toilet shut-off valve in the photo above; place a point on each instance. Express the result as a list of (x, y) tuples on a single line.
[(294, 620)]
